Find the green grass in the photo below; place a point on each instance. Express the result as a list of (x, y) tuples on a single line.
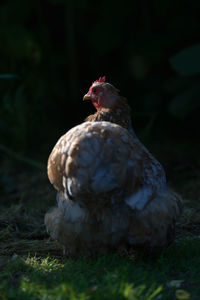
[(105, 277)]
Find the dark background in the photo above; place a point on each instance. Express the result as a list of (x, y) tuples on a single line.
[(51, 51)]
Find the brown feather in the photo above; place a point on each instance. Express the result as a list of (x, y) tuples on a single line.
[(119, 114)]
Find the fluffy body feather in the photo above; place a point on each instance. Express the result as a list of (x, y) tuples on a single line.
[(111, 191)]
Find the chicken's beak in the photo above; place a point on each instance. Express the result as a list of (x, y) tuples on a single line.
[(87, 97)]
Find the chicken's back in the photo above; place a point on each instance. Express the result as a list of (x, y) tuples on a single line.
[(92, 160)]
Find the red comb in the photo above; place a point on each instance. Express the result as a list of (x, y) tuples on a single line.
[(101, 79)]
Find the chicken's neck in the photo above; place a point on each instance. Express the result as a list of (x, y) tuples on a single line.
[(119, 114)]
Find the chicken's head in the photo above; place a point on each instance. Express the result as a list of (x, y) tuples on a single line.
[(102, 94)]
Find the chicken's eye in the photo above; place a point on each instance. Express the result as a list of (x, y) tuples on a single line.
[(94, 91)]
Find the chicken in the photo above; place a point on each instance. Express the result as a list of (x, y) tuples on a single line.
[(109, 104), (114, 108), (112, 192)]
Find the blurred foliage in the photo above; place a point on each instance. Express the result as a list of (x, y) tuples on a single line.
[(52, 50), (187, 62)]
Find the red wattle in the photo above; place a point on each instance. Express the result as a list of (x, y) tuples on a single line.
[(97, 104)]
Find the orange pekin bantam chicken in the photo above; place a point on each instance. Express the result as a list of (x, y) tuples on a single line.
[(112, 192)]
